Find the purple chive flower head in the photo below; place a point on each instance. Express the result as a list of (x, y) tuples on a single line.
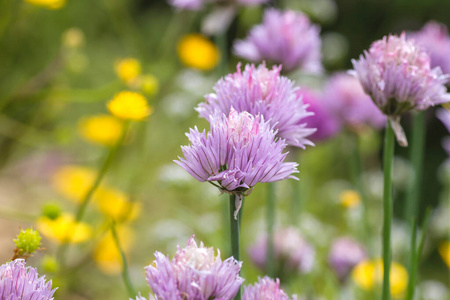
[(261, 91), (291, 252), (444, 116), (347, 101), (199, 4), (434, 38), (265, 289), (194, 273), (286, 38), (239, 151), (322, 119), (345, 253), (397, 74), (19, 282)]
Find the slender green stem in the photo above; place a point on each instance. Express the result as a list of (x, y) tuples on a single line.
[(221, 40), (270, 261), (416, 252), (416, 157), (105, 166), (87, 197), (388, 155), (234, 229), (125, 273)]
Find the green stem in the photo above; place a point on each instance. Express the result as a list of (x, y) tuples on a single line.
[(415, 255), (388, 155), (125, 273), (221, 41), (87, 197), (234, 229), (270, 261), (416, 157)]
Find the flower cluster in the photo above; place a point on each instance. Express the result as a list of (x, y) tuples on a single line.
[(265, 289), (397, 74), (321, 118), (260, 91), (345, 253), (239, 151), (194, 273), (199, 4), (291, 252), (286, 38), (20, 282), (435, 39), (348, 103)]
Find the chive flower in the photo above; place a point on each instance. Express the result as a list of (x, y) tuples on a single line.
[(288, 38), (194, 273), (239, 151), (19, 282), (260, 91), (265, 289), (434, 38), (397, 74)]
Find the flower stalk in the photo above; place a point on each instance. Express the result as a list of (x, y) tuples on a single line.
[(388, 155), (234, 230), (125, 273), (270, 261), (416, 157), (86, 199)]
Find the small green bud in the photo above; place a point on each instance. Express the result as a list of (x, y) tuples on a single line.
[(51, 211), (50, 264), (27, 241)]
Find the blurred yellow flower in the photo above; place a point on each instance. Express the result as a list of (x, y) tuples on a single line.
[(444, 251), (149, 84), (116, 204), (73, 181), (73, 38), (50, 4), (128, 69), (196, 51), (64, 229), (350, 199), (107, 255), (101, 129), (369, 273), (129, 106)]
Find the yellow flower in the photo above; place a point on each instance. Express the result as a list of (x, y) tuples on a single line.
[(128, 69), (369, 273), (116, 204), (107, 255), (350, 199), (129, 106), (73, 181), (149, 85), (50, 4), (101, 129), (64, 229), (444, 251), (73, 38), (196, 51)]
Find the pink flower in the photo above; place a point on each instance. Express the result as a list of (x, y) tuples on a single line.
[(348, 102), (286, 38), (434, 38)]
